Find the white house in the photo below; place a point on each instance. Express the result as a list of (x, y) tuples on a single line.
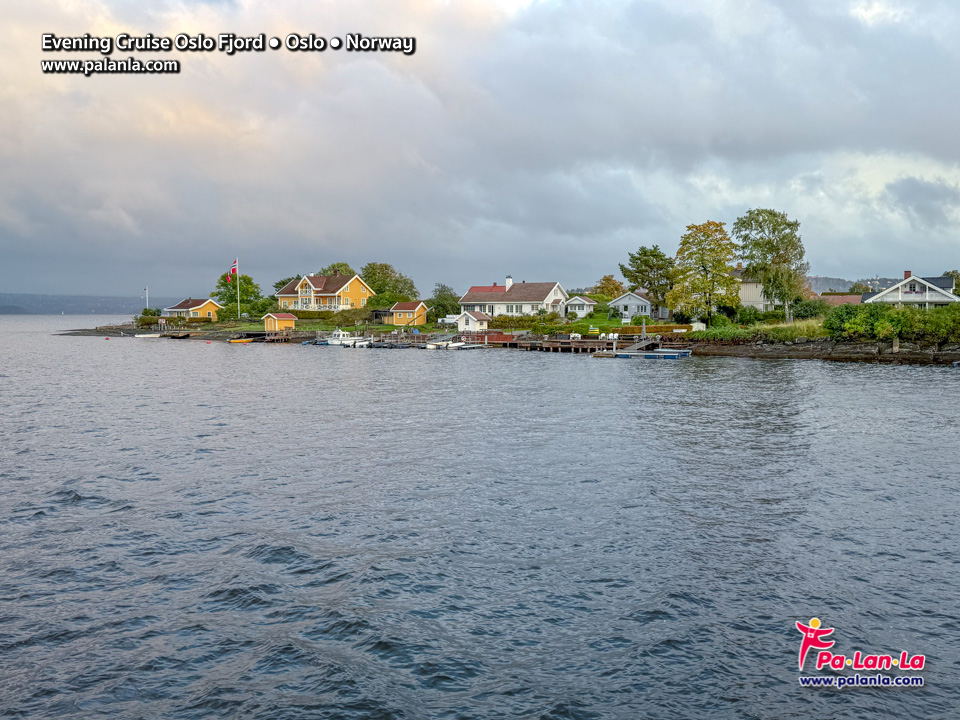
[(929, 292), (580, 305), (751, 291), (630, 304), (515, 299), (472, 321)]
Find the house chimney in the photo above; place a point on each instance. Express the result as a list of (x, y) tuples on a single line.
[(906, 274), (509, 281)]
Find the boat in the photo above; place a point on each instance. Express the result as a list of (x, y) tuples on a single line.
[(242, 341), (147, 335), (341, 337)]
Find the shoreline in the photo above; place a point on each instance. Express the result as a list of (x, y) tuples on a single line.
[(812, 349), (826, 349)]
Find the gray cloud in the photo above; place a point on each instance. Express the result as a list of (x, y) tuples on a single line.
[(546, 140), (926, 204)]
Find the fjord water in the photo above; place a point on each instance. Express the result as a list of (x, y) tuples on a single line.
[(200, 531)]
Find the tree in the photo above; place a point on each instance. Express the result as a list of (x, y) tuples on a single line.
[(225, 293), (955, 274), (609, 285), (279, 284), (444, 301), (384, 278), (702, 278), (652, 270), (773, 254), (859, 287), (337, 267)]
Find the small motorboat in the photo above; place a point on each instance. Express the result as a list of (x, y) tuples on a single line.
[(241, 341), (147, 335), (341, 337)]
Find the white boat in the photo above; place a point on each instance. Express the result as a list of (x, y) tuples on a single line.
[(341, 337), (148, 335), (455, 345), (442, 345)]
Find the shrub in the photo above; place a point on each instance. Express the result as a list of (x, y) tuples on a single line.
[(311, 314), (720, 320), (747, 315), (807, 309), (773, 316), (571, 316)]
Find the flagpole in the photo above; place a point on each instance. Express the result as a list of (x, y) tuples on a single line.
[(238, 289), (146, 290)]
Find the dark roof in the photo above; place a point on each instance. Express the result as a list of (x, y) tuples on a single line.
[(478, 315), (406, 306), (867, 296), (944, 282), (191, 303), (324, 284), (518, 292)]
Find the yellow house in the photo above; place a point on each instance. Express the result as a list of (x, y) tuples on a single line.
[(190, 308), (407, 313), (277, 322), (325, 292)]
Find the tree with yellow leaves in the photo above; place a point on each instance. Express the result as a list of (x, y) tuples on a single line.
[(703, 267)]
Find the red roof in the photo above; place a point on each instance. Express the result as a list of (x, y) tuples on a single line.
[(406, 306), (280, 316), (835, 300)]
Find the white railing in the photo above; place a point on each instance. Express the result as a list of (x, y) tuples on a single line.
[(299, 305)]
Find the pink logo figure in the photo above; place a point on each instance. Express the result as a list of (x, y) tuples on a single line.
[(812, 638)]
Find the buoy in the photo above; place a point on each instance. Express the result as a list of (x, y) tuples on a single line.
[(106, 338), (208, 342)]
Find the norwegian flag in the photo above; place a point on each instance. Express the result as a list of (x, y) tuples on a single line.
[(233, 271)]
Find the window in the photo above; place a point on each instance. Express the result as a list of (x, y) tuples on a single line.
[(409, 315), (912, 287), (363, 302), (194, 314), (209, 314), (285, 303), (363, 289)]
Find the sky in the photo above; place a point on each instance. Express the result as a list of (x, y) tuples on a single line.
[(545, 140)]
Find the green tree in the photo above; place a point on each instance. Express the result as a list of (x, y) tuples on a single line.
[(384, 278), (773, 254), (609, 285), (444, 301), (955, 274), (225, 293), (337, 267), (859, 287), (279, 284), (652, 270), (703, 268)]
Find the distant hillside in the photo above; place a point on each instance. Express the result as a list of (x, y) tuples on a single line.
[(28, 304), (821, 283)]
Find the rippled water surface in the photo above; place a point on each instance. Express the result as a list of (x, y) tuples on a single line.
[(201, 531)]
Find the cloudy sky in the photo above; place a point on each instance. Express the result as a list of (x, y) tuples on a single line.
[(543, 139)]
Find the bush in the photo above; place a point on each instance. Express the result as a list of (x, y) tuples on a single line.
[(720, 320), (773, 316), (681, 317), (807, 309), (311, 314), (747, 315), (571, 316), (878, 321)]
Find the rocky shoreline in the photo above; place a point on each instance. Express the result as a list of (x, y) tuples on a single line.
[(826, 349), (800, 349)]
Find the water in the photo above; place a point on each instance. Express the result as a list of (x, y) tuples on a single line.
[(196, 531)]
